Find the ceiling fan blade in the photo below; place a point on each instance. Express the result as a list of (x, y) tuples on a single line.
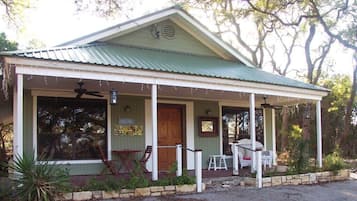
[(79, 95), (278, 107), (266, 105), (94, 94)]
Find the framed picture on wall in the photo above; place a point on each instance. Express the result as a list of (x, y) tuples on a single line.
[(208, 126)]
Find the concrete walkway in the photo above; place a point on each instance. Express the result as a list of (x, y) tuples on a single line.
[(336, 191)]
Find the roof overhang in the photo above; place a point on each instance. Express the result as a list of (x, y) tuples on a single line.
[(100, 72), (178, 16)]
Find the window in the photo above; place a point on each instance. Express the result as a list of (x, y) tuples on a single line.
[(71, 128), (235, 122)]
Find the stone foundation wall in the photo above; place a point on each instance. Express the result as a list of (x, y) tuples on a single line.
[(309, 178), (129, 193)]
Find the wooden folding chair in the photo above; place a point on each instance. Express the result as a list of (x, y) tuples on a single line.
[(108, 163), (145, 158)]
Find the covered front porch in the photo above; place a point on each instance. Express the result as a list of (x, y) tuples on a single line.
[(140, 96)]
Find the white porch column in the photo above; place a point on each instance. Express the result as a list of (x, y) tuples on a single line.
[(18, 116), (318, 133), (273, 136), (154, 132), (252, 128), (265, 129)]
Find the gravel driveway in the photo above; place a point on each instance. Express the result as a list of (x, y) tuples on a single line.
[(336, 191)]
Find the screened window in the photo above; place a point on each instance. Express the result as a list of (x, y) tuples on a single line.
[(71, 128), (235, 122)]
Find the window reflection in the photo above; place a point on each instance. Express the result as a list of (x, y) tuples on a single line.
[(236, 126), (70, 128)]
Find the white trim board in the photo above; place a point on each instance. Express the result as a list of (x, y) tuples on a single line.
[(36, 93), (117, 74), (190, 138)]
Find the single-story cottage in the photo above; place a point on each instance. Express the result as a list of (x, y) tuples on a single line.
[(161, 80)]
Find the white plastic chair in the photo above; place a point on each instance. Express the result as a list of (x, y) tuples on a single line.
[(245, 155), (267, 158), (244, 161)]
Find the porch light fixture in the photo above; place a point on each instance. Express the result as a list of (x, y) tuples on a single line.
[(113, 97)]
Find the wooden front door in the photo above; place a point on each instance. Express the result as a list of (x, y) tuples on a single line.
[(170, 120)]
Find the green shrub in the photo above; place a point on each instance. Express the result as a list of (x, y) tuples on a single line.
[(298, 151), (172, 179), (108, 184), (5, 189), (161, 182), (184, 179), (137, 178), (112, 184), (40, 182), (334, 161)]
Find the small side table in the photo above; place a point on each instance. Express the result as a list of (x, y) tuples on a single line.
[(222, 165)]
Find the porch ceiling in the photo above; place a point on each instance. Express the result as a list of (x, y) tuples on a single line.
[(169, 92)]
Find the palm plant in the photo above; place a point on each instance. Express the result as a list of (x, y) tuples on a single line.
[(38, 182)]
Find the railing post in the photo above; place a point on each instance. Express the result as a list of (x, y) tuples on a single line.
[(179, 160), (235, 158), (259, 179), (198, 169)]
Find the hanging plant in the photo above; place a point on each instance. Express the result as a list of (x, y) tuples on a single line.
[(6, 78)]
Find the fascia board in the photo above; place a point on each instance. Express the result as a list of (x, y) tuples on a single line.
[(88, 71)]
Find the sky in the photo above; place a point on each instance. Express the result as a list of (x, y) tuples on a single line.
[(56, 22)]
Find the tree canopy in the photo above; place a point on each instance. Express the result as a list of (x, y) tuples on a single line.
[(7, 45)]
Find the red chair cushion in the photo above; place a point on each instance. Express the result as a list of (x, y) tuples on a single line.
[(246, 158)]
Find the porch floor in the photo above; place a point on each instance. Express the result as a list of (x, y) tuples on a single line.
[(81, 180)]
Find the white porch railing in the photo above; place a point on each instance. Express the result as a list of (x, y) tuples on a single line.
[(198, 163), (259, 173), (179, 160)]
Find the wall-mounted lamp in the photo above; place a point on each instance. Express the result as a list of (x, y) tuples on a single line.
[(127, 108), (113, 97), (208, 112)]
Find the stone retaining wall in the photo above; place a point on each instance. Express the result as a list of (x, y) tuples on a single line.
[(309, 178), (128, 193)]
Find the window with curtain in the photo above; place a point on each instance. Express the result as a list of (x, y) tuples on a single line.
[(71, 128), (235, 122)]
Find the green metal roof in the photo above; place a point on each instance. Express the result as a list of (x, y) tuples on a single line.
[(158, 60)]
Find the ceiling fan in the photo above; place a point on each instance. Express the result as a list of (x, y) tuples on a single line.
[(268, 105), (80, 91)]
